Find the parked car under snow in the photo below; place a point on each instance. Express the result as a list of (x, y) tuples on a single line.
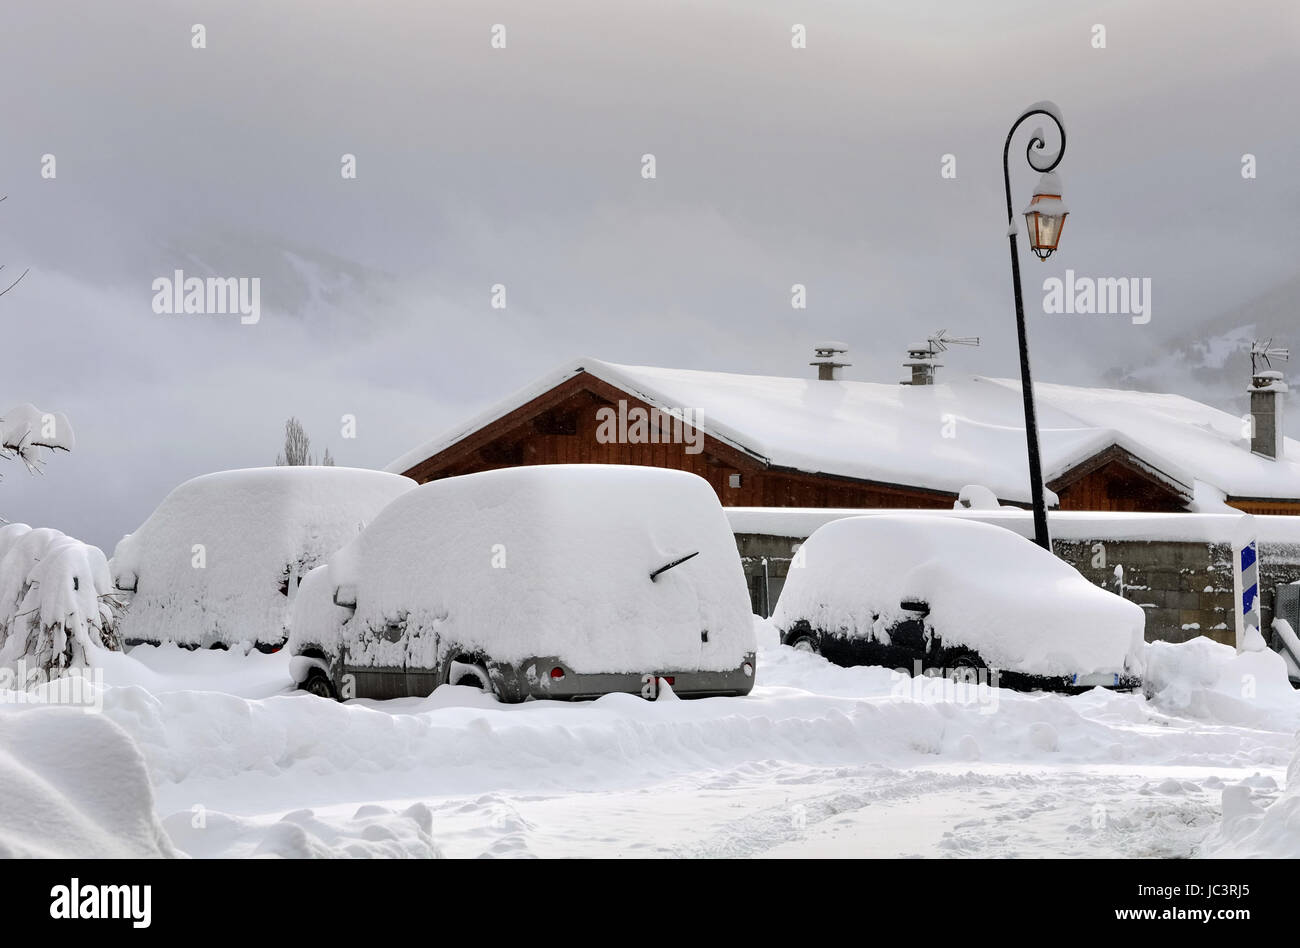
[(220, 560), (958, 598), (553, 581)]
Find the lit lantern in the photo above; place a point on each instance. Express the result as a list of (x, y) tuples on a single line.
[(1045, 216)]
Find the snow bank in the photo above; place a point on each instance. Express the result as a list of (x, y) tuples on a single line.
[(279, 754), (74, 786), (372, 832), (220, 557), (57, 608), (1250, 831), (1020, 607), (254, 762), (551, 560), (1204, 679), (166, 668)]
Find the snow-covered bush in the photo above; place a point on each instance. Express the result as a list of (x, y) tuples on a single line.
[(220, 560), (57, 606)]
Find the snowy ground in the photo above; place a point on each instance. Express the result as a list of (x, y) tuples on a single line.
[(818, 761)]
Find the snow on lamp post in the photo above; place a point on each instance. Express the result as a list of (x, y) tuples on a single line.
[(1045, 216)]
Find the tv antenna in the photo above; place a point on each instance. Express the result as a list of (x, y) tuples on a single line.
[(1268, 352), (922, 358), (940, 341)]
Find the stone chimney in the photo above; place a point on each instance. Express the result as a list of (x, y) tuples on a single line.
[(921, 362), (1266, 390), (826, 362)]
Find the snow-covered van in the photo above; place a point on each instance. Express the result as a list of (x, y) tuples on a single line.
[(959, 598), (551, 581), (220, 561)]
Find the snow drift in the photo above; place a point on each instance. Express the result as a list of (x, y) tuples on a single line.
[(1210, 681), (220, 559), (1205, 680), (74, 786), (988, 589)]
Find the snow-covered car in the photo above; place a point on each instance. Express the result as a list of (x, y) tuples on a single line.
[(220, 561), (552, 581), (959, 598)]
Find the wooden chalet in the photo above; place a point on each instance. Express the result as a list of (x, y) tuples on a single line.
[(766, 441)]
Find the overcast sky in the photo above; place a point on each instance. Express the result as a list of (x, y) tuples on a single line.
[(522, 166)]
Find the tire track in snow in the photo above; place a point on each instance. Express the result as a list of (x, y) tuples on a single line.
[(979, 815)]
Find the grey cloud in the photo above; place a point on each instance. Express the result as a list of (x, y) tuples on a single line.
[(776, 166)]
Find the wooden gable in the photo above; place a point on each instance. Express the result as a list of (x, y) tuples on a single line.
[(560, 426), (1117, 479)]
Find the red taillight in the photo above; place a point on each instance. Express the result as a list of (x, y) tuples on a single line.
[(670, 679), (557, 673)]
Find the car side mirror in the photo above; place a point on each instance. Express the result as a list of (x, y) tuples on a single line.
[(919, 606), (345, 596)]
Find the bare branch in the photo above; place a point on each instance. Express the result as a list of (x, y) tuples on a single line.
[(15, 282)]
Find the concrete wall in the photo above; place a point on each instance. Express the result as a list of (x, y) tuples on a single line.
[(767, 561), (1184, 586)]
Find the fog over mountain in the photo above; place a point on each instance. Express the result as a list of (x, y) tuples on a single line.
[(522, 166), (1210, 359)]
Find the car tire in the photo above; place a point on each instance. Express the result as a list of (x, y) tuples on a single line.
[(474, 675), (964, 665), (805, 643), (318, 684)]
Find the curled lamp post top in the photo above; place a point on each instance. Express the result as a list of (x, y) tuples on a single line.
[(1039, 160)]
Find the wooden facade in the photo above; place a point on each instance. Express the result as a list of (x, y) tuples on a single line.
[(1266, 505), (1116, 479), (560, 426)]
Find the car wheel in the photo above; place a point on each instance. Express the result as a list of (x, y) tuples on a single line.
[(805, 643), (318, 684), (965, 666), (471, 675)]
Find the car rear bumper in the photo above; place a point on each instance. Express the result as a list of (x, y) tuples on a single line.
[(534, 679), (1116, 681)]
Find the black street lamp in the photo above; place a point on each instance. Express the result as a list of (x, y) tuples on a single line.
[(1044, 217)]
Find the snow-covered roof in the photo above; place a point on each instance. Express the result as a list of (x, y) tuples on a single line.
[(941, 437), (1076, 525)]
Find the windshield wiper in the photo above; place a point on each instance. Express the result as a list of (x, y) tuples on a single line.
[(667, 566)]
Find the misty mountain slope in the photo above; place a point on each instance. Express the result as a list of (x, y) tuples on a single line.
[(1210, 361)]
